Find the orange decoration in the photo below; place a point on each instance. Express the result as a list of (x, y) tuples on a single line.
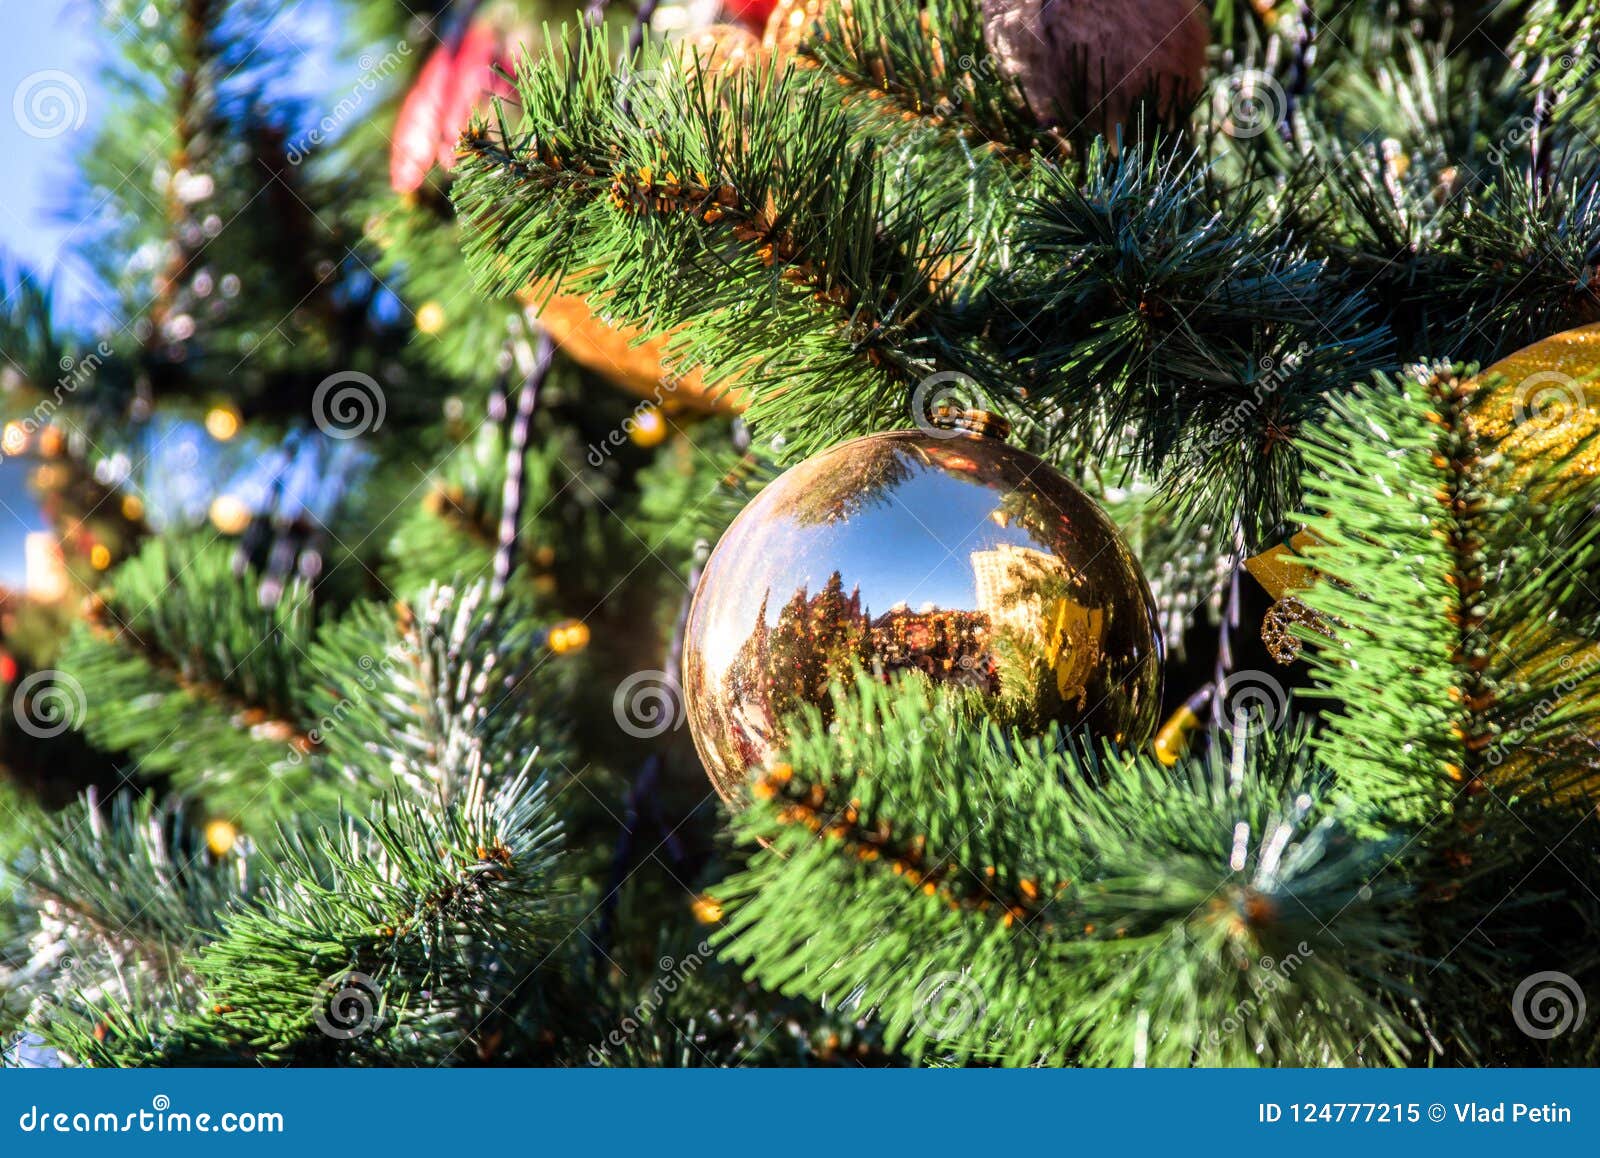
[(617, 352)]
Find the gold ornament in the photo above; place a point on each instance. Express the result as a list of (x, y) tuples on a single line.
[(430, 318), (648, 427), (569, 636), (1544, 401), (221, 836), (230, 514), (943, 551), (222, 422)]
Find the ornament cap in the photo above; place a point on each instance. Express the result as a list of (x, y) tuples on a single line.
[(985, 423)]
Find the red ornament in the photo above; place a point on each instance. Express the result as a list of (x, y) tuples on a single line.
[(456, 79), (8, 668), (751, 13)]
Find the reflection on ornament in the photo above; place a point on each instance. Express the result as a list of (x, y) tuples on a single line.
[(222, 422), (430, 318), (887, 553), (15, 438), (230, 514), (221, 836), (790, 22), (720, 48)]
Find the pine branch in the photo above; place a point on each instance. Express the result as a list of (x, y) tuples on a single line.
[(1034, 902)]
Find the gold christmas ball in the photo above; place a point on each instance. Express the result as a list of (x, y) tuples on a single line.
[(1544, 401), (942, 550)]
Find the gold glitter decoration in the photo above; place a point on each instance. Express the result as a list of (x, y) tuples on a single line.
[(1544, 401), (1277, 628), (1280, 570)]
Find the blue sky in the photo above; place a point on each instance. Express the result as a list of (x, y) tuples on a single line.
[(54, 49), (43, 36)]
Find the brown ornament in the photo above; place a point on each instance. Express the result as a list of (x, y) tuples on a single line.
[(622, 354), (943, 551), (791, 22), (1084, 64)]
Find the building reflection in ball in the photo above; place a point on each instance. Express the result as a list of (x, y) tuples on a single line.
[(951, 554)]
